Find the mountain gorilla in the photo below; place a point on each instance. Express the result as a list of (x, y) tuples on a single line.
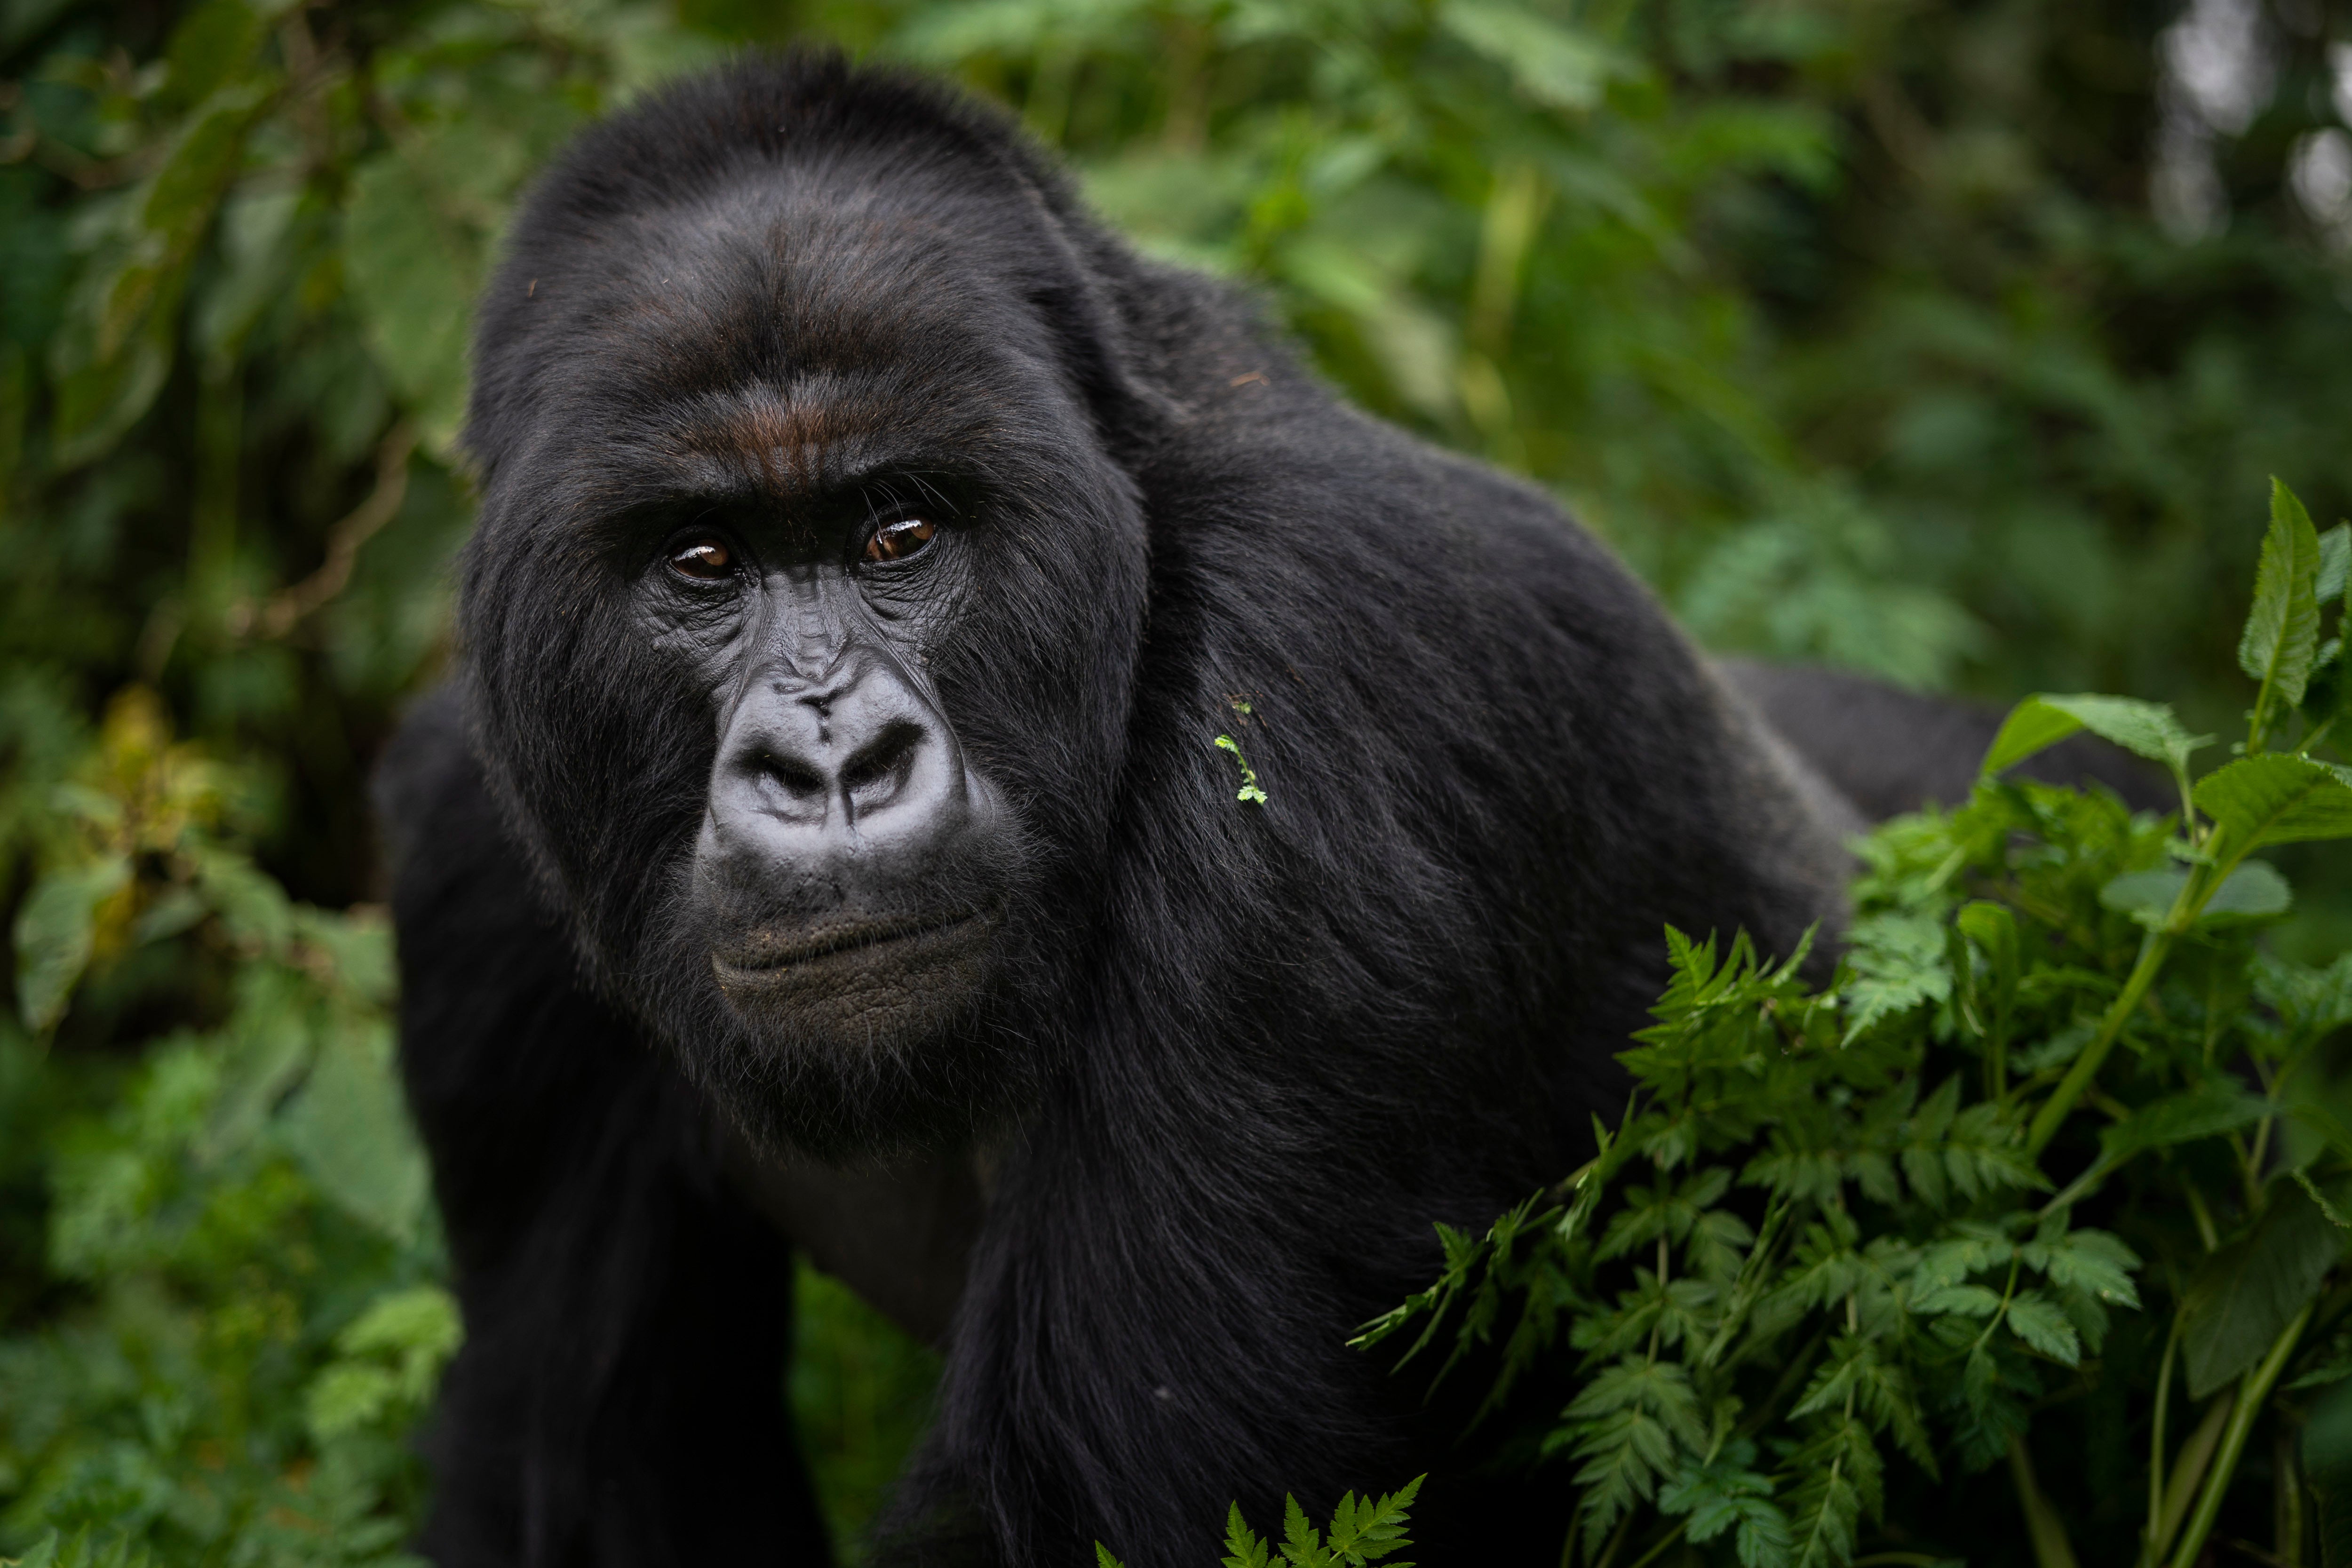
[(831, 840)]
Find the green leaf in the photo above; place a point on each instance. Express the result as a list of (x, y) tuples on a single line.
[(1365, 1530), (1855, 1372), (349, 1126), (1244, 1548), (1551, 63), (1302, 1544), (1840, 1475), (216, 38), (2274, 799), (2253, 892), (2043, 720), (2246, 1292), (1900, 960), (268, 1049), (113, 1550), (1963, 1300), (1627, 1426), (56, 930), (2335, 564), (1994, 928), (1724, 1493), (2035, 1319), (415, 266), (2281, 635), (2213, 1106), (100, 396)]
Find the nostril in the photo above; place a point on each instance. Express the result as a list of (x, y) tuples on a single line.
[(880, 768), (797, 779)]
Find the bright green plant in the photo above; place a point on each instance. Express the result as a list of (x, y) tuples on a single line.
[(1364, 1531), (2054, 1089)]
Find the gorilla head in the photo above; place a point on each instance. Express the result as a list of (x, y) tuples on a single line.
[(798, 497)]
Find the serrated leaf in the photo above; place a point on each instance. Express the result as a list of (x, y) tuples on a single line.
[(1952, 1260), (1965, 1300), (1855, 1374), (1302, 1544), (1365, 1530), (2046, 719), (1244, 1548), (2247, 1291), (2216, 1106), (1899, 961), (2335, 564), (2039, 1321), (2282, 634), (2275, 799), (1841, 1476), (1727, 1494)]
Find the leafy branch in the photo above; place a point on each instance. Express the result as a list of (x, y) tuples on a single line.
[(1856, 1240)]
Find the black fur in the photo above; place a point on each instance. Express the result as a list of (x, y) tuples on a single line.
[(1233, 1059)]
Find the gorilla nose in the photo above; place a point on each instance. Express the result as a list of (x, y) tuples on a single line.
[(862, 758)]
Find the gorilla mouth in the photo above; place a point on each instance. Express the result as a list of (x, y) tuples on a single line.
[(767, 955)]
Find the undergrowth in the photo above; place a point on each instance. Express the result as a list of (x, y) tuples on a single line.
[(2054, 1170)]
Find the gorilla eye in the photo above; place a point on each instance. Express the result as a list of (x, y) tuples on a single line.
[(899, 541), (707, 560)]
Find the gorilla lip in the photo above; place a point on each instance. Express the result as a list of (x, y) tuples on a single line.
[(764, 957)]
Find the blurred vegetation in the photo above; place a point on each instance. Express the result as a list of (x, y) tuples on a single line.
[(1950, 341)]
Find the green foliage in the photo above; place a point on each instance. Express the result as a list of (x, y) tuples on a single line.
[(235, 1319), (1364, 1531), (1864, 1234), (861, 1393)]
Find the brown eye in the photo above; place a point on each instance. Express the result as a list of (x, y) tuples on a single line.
[(909, 536), (706, 559)]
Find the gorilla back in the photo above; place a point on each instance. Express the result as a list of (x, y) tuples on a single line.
[(873, 553)]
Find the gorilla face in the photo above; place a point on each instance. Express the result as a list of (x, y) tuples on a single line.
[(852, 866), (800, 627)]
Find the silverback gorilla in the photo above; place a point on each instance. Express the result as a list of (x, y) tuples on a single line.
[(826, 843)]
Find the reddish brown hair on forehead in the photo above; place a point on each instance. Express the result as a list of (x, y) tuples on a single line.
[(783, 443)]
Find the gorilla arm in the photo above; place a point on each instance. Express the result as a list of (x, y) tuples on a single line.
[(617, 1398)]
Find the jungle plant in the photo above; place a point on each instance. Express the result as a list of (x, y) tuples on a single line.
[(2057, 1157)]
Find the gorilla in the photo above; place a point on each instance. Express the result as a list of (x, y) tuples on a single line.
[(965, 759)]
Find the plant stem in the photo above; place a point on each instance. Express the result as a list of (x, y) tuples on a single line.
[(1663, 1541), (2151, 1545), (2251, 1393), (2286, 1500), (2186, 906), (2052, 1114), (2188, 1470), (2051, 1547)]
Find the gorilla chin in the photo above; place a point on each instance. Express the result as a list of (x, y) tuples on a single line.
[(857, 984)]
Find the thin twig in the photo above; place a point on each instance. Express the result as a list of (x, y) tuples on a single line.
[(290, 607)]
